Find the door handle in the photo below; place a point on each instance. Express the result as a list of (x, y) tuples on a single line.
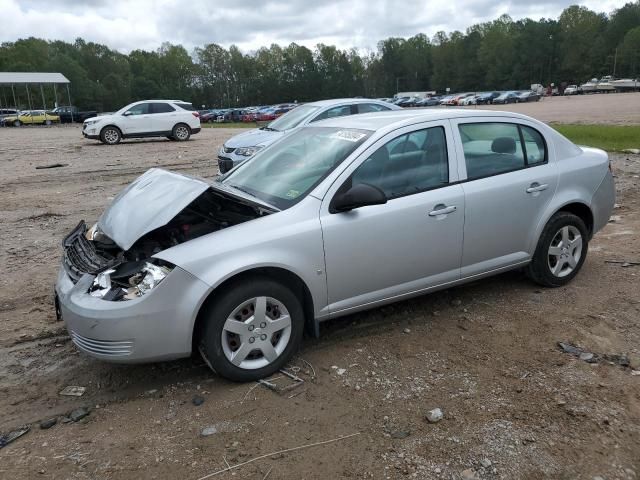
[(442, 209), (536, 187)]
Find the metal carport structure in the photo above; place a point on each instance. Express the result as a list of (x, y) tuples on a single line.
[(33, 78)]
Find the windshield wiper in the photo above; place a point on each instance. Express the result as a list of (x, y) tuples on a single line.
[(269, 129), (242, 190)]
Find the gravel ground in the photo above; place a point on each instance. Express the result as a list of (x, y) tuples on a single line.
[(514, 405)]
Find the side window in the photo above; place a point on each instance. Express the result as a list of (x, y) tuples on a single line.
[(411, 163), (340, 111), (371, 107), (161, 108), (534, 146), (140, 109), (491, 148)]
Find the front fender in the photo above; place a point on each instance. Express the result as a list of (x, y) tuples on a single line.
[(289, 240)]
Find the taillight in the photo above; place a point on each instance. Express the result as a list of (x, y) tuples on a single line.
[(195, 114)]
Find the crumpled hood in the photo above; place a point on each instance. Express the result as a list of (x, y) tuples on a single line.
[(150, 202), (252, 138)]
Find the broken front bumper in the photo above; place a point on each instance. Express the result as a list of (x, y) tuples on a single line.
[(156, 326)]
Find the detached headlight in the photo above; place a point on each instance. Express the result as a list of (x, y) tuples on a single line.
[(248, 151), (129, 280)]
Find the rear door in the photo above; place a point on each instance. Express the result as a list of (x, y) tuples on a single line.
[(509, 176), (136, 120), (412, 242), (162, 117)]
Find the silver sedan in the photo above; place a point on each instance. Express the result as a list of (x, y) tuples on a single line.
[(339, 216)]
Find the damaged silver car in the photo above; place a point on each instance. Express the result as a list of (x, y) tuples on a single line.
[(337, 217)]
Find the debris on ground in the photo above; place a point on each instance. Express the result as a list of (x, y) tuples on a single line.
[(485, 462), (635, 151), (45, 424), (271, 384), (468, 474), (591, 357), (623, 263), (406, 330), (435, 415), (78, 414), (53, 165), (197, 400), (13, 435), (208, 431), (73, 391)]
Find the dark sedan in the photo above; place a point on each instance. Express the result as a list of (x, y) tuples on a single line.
[(529, 96), (506, 97)]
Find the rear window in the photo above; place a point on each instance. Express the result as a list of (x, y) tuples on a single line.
[(185, 106)]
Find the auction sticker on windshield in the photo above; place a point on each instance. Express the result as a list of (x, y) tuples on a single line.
[(349, 135)]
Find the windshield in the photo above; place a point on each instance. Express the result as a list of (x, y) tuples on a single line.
[(293, 118), (284, 173)]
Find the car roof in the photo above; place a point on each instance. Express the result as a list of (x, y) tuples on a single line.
[(400, 118), (338, 101)]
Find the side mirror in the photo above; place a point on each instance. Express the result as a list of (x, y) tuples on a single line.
[(360, 195), (127, 113)]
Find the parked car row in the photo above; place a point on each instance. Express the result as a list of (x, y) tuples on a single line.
[(264, 113), (469, 98), (17, 118)]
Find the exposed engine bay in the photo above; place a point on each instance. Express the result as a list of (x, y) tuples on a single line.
[(128, 274)]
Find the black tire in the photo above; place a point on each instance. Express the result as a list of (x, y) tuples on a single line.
[(110, 135), (540, 270), (216, 314), (17, 123), (181, 132)]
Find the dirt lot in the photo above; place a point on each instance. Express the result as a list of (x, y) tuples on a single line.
[(484, 353)]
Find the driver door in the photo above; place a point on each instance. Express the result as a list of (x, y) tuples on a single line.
[(380, 253), (136, 120)]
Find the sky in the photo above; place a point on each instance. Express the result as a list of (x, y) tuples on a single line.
[(127, 25)]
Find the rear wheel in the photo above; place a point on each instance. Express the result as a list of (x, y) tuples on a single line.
[(561, 251), (181, 132), (110, 135), (252, 329), (47, 122), (17, 123)]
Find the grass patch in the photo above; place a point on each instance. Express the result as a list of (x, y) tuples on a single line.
[(613, 138), (229, 125)]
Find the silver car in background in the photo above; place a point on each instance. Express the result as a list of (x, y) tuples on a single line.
[(241, 147), (337, 217)]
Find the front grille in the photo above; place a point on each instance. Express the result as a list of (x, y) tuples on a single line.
[(112, 348), (224, 164), (80, 255), (228, 149)]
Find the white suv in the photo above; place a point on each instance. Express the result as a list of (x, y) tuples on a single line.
[(174, 119)]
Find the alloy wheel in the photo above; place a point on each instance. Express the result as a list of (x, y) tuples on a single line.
[(111, 135), (256, 333), (565, 251), (182, 133)]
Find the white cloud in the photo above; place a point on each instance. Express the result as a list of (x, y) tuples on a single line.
[(145, 24)]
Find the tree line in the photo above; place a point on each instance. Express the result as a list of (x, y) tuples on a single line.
[(500, 54)]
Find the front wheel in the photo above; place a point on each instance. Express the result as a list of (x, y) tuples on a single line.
[(17, 123), (252, 329), (561, 251), (181, 132), (110, 135)]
